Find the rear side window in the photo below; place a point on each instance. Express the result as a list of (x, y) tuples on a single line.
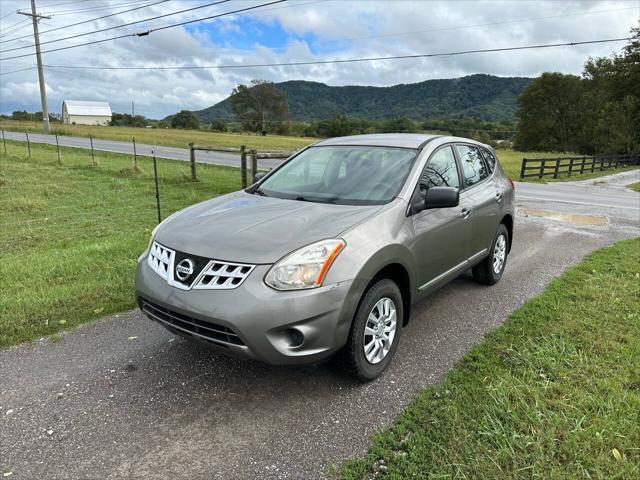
[(490, 159), (441, 171), (474, 167)]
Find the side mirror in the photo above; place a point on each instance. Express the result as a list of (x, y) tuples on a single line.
[(260, 175), (442, 197)]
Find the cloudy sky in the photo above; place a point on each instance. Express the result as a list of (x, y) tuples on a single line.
[(291, 31)]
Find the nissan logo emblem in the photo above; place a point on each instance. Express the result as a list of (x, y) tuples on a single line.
[(184, 269)]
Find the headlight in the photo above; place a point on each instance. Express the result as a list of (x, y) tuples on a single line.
[(304, 268)]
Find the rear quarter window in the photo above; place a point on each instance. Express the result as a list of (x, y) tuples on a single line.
[(490, 158)]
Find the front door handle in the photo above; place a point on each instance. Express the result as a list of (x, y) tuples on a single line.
[(464, 213)]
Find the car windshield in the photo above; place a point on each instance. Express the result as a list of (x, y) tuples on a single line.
[(341, 174)]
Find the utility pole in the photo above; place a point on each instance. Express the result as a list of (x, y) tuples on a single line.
[(36, 35)]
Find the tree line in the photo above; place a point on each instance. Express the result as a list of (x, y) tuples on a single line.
[(597, 112)]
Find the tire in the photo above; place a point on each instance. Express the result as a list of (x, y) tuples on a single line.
[(485, 272), (354, 359)]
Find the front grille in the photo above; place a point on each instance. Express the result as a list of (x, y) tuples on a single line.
[(207, 274), (220, 275), (210, 331), (160, 260)]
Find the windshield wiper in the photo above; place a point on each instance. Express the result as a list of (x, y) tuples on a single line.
[(258, 191)]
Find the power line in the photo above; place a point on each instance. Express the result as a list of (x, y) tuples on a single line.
[(95, 8), (16, 71), (11, 29), (91, 20), (348, 60), (144, 34), (120, 26), (7, 15), (67, 3)]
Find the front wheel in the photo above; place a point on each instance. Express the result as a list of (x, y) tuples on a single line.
[(375, 331), (490, 270)]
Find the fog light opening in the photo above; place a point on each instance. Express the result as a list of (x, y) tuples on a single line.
[(294, 337)]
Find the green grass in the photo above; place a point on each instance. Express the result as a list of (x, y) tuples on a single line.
[(71, 232), (634, 186), (168, 137), (552, 393)]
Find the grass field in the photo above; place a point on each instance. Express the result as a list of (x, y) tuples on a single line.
[(168, 137), (71, 232), (553, 393), (634, 186)]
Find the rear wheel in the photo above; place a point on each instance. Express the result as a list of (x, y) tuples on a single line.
[(490, 270), (375, 331)]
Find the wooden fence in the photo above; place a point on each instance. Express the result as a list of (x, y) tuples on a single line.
[(542, 167), (252, 154)]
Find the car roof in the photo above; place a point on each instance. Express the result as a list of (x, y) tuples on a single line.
[(402, 140)]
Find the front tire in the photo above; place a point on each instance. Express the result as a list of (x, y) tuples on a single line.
[(375, 331), (490, 270)]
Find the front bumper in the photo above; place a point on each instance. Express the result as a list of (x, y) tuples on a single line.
[(253, 320)]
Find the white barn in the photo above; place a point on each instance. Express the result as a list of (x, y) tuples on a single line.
[(85, 113)]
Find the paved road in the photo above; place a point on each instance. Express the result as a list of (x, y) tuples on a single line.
[(173, 153), (122, 398)]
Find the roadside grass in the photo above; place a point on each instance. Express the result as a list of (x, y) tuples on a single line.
[(552, 393), (169, 137), (634, 186), (71, 231)]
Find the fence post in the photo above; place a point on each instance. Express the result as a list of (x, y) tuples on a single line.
[(58, 149), (4, 142), (584, 159), (541, 174), (192, 161), (93, 158), (28, 144), (155, 178), (523, 168), (243, 165), (555, 170), (135, 154), (593, 164), (254, 166), (571, 165)]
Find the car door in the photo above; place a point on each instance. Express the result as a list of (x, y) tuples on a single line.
[(480, 195), (441, 236)]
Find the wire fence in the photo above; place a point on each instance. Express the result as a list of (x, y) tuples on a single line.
[(52, 194)]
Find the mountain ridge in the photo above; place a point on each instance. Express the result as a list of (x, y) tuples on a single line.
[(479, 96)]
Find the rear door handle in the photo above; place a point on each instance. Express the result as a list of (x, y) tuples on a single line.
[(464, 213), (498, 197)]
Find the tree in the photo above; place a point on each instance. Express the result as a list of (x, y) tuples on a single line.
[(549, 115), (598, 113), (260, 107), (218, 125), (185, 119)]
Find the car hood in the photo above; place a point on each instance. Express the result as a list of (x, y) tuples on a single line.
[(242, 227)]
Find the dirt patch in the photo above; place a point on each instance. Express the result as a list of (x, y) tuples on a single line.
[(574, 218)]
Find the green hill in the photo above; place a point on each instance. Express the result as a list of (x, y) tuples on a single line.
[(483, 97)]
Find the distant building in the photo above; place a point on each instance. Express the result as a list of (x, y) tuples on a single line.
[(85, 113)]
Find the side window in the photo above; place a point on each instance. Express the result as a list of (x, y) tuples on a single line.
[(473, 166), (490, 159), (440, 171)]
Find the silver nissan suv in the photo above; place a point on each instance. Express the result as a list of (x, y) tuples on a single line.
[(325, 254)]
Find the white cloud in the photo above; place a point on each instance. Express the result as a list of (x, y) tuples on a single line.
[(337, 27)]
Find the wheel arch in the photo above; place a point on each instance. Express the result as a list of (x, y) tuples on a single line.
[(507, 221)]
